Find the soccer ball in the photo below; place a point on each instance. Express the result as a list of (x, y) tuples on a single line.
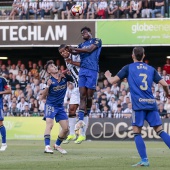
[(76, 10)]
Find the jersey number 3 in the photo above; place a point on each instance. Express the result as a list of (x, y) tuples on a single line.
[(145, 86)]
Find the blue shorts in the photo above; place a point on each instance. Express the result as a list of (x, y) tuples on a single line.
[(151, 116), (88, 78), (56, 112), (1, 115)]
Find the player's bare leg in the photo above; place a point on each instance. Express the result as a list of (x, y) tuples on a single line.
[(72, 122), (62, 135), (49, 126)]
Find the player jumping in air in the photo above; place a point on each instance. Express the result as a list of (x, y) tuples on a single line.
[(89, 52), (55, 92), (4, 89), (73, 65), (140, 78)]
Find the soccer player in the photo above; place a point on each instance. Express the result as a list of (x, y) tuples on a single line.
[(140, 78), (89, 52), (4, 89), (55, 92), (73, 65)]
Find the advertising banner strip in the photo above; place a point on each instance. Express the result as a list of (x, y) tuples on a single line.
[(134, 32), (44, 33), (120, 129), (28, 128)]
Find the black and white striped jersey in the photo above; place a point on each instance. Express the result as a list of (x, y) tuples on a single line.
[(74, 70)]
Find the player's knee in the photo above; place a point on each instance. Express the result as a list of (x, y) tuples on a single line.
[(65, 130)]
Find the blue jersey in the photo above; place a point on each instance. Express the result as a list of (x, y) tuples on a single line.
[(91, 60), (140, 78), (3, 86), (57, 91)]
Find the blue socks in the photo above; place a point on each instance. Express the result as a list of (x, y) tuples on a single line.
[(3, 133), (165, 137), (47, 140), (59, 141), (140, 145), (81, 114)]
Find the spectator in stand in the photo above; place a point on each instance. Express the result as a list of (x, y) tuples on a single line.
[(28, 91), (167, 106), (106, 84), (112, 104), (25, 10), (165, 76), (35, 112), (17, 8), (106, 112), (162, 112), (101, 9), (23, 69), (159, 8), (17, 90), (147, 7), (127, 113), (112, 8), (19, 63), (118, 113), (40, 66), (125, 85), (58, 7), (159, 70), (124, 8), (34, 69), (23, 83), (166, 67), (4, 70), (13, 82), (26, 112), (103, 104), (46, 7), (109, 93), (42, 84), (19, 77), (14, 110), (135, 8), (41, 106), (66, 13), (29, 65), (9, 64), (125, 104), (14, 70), (92, 9), (115, 89), (6, 111), (21, 105), (94, 112)]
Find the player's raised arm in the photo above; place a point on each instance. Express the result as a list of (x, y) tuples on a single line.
[(111, 80), (45, 91)]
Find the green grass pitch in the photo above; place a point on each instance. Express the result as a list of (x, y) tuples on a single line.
[(90, 155)]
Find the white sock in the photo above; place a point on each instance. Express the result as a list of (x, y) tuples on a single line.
[(83, 130), (72, 122)]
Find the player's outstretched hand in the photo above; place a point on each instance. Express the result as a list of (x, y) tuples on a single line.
[(107, 74)]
